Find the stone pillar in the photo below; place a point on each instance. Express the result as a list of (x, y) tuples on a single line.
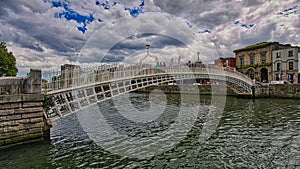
[(33, 82), (22, 118)]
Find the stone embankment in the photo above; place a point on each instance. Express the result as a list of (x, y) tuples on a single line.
[(290, 91), (192, 89), (287, 91), (22, 117)]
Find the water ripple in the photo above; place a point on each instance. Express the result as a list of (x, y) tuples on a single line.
[(261, 133)]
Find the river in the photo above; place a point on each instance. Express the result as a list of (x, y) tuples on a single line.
[(260, 133)]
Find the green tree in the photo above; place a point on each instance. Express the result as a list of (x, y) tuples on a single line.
[(7, 62)]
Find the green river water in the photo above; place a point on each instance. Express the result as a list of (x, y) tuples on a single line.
[(260, 133)]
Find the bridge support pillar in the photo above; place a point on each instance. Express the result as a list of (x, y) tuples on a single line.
[(22, 119)]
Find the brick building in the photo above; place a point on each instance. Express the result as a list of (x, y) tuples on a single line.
[(256, 60), (225, 62)]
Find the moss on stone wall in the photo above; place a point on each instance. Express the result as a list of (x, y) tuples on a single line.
[(255, 46), (20, 139)]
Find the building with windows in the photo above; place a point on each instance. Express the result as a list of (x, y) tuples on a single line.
[(285, 64), (225, 62), (256, 60)]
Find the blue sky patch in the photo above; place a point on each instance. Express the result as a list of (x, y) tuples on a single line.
[(136, 11), (289, 11), (104, 4), (244, 25), (82, 29), (205, 31), (70, 14), (190, 25), (236, 22)]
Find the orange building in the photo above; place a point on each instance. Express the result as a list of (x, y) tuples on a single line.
[(225, 62)]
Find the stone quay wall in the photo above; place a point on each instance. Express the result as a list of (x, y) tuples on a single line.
[(290, 91), (22, 117), (287, 91), (191, 89)]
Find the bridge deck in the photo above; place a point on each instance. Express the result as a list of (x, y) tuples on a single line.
[(70, 91)]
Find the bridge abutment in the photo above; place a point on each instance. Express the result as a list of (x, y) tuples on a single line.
[(22, 118)]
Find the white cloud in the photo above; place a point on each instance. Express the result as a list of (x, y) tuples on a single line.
[(38, 39)]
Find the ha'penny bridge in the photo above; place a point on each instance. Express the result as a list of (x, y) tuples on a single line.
[(73, 88)]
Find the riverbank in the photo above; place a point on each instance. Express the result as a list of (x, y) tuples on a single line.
[(289, 91), (282, 91)]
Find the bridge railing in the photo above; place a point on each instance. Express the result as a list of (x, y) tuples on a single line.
[(59, 80)]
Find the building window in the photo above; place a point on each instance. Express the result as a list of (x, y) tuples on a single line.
[(263, 58), (278, 66), (291, 65), (278, 55), (251, 59), (242, 61), (277, 77), (291, 78), (251, 74), (290, 53), (226, 63)]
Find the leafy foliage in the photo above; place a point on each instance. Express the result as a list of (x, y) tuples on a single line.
[(255, 46), (259, 65), (7, 62)]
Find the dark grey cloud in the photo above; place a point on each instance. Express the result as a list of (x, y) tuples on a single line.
[(165, 41), (7, 5), (21, 7), (296, 24), (183, 8), (260, 35), (252, 3), (29, 34), (30, 28), (212, 20), (138, 42), (34, 27), (191, 9)]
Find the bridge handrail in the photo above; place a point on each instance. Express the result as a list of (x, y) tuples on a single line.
[(57, 79)]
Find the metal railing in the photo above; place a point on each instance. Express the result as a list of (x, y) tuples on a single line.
[(71, 78)]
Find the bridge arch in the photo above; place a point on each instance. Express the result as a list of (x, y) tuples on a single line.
[(87, 91), (66, 101), (73, 98)]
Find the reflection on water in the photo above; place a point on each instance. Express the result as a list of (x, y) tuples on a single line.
[(261, 133)]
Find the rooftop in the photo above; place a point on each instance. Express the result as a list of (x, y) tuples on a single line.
[(256, 46)]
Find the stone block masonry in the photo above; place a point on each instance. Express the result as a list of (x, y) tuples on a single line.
[(190, 89), (22, 118), (284, 91), (280, 91)]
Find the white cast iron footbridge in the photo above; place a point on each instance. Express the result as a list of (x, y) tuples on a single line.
[(74, 89)]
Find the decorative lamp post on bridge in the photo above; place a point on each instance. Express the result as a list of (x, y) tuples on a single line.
[(149, 55)]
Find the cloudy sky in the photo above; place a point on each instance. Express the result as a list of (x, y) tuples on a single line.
[(47, 33)]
